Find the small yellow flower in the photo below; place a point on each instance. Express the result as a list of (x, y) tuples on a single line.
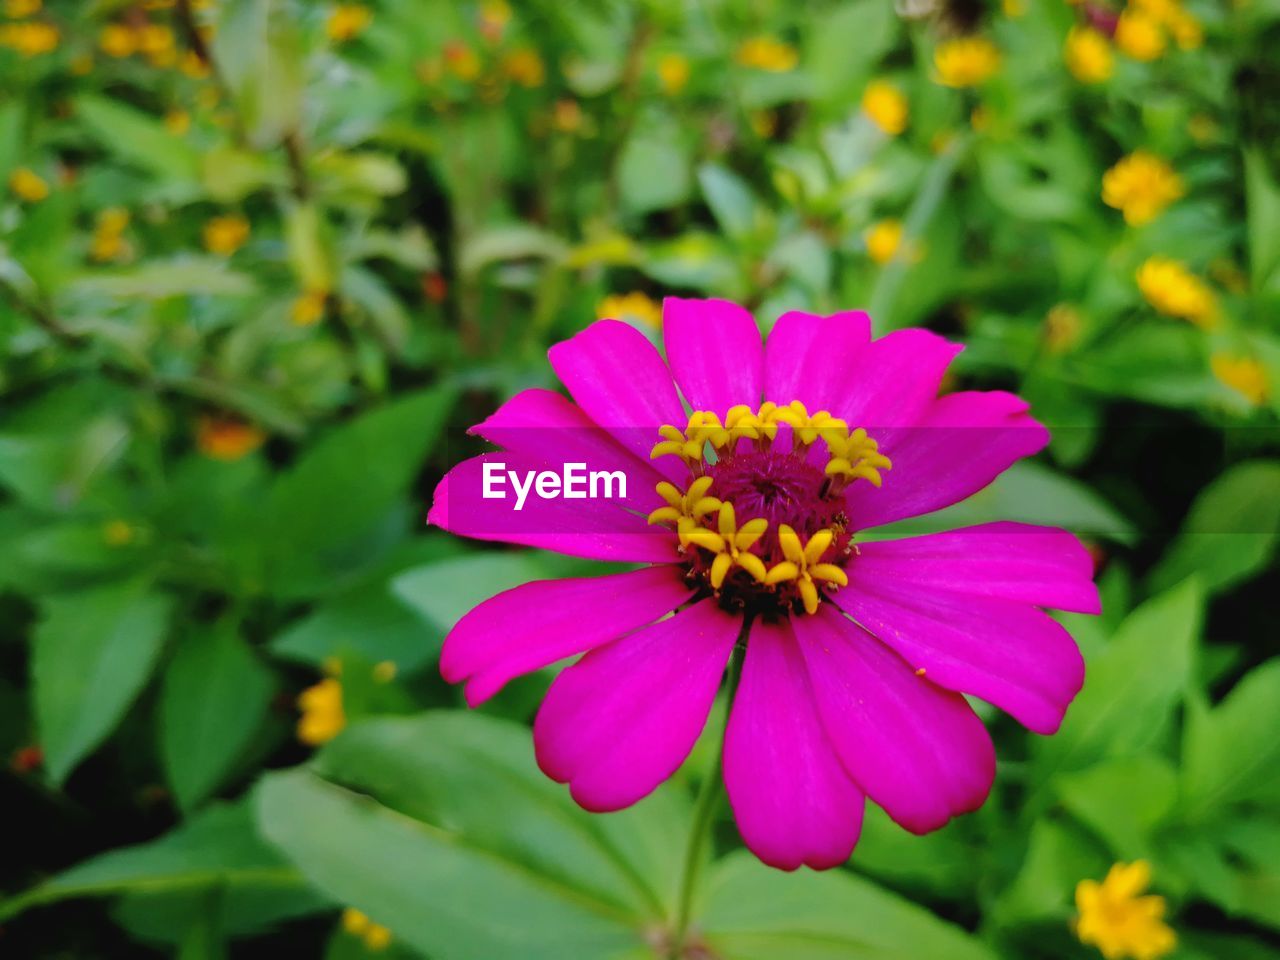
[(347, 21), (769, 54), (673, 73), (17, 9), (1176, 292), (177, 122), (463, 62), (308, 308), (1139, 35), (193, 66), (29, 39), (1117, 919), (1186, 30), (634, 306), (886, 105), (1088, 55), (525, 67), (1242, 374), (375, 936), (764, 123), (221, 438), (117, 533), (226, 234), (323, 716), (117, 40), (966, 61), (108, 235), (883, 240), (156, 42), (27, 185), (1140, 186), (566, 116)]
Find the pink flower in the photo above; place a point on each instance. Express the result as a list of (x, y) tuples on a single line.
[(857, 652)]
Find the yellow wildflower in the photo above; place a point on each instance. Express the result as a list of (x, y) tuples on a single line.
[(1186, 30), (117, 40), (308, 308), (1242, 374), (156, 42), (673, 73), (1140, 186), (226, 234), (17, 9), (323, 716), (1139, 35), (108, 235), (193, 66), (886, 105), (883, 240), (633, 306), (966, 61), (375, 936), (27, 185), (29, 39), (1117, 919), (222, 438), (769, 54), (1088, 55), (525, 67), (347, 21), (1176, 292), (566, 116)]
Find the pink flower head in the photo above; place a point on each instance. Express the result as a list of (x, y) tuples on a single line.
[(747, 510)]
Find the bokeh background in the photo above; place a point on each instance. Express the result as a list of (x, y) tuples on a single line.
[(261, 261)]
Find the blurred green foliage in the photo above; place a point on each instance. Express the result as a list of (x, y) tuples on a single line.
[(256, 256)]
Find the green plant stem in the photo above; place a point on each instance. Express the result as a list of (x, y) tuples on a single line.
[(709, 797)]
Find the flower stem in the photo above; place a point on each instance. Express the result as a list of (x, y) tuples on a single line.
[(710, 794)]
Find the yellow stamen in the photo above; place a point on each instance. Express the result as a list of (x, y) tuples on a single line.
[(803, 565), (807, 427), (687, 509), (857, 456), (731, 545)]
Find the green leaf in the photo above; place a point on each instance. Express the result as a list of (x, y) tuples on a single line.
[(755, 913), (653, 170), (1058, 856), (1123, 801), (844, 46), (432, 889), (1227, 757), (213, 701), (160, 279), (259, 50), (344, 485), (731, 201), (1230, 532), (1131, 689), (218, 848), (1262, 195), (93, 652), (138, 138)]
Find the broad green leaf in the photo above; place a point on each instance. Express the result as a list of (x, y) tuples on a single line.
[(430, 887), (218, 848), (752, 912), (1132, 687), (1231, 531), (1255, 846), (844, 47), (138, 138), (160, 279), (943, 863), (1229, 756), (212, 703), (1058, 856), (653, 170), (344, 484), (93, 652), (1122, 800), (731, 201), (259, 49)]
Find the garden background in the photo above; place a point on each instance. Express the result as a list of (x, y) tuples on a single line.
[(261, 261)]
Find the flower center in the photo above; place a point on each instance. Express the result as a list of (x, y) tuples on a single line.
[(761, 523)]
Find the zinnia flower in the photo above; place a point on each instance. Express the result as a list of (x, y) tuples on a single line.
[(1121, 922), (857, 654)]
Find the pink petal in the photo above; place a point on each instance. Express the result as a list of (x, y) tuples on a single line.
[(793, 801), (1007, 653), (918, 751), (536, 624), (962, 443), (550, 428), (812, 359), (618, 379), (1042, 566), (598, 529), (895, 379), (715, 352), (623, 718)]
